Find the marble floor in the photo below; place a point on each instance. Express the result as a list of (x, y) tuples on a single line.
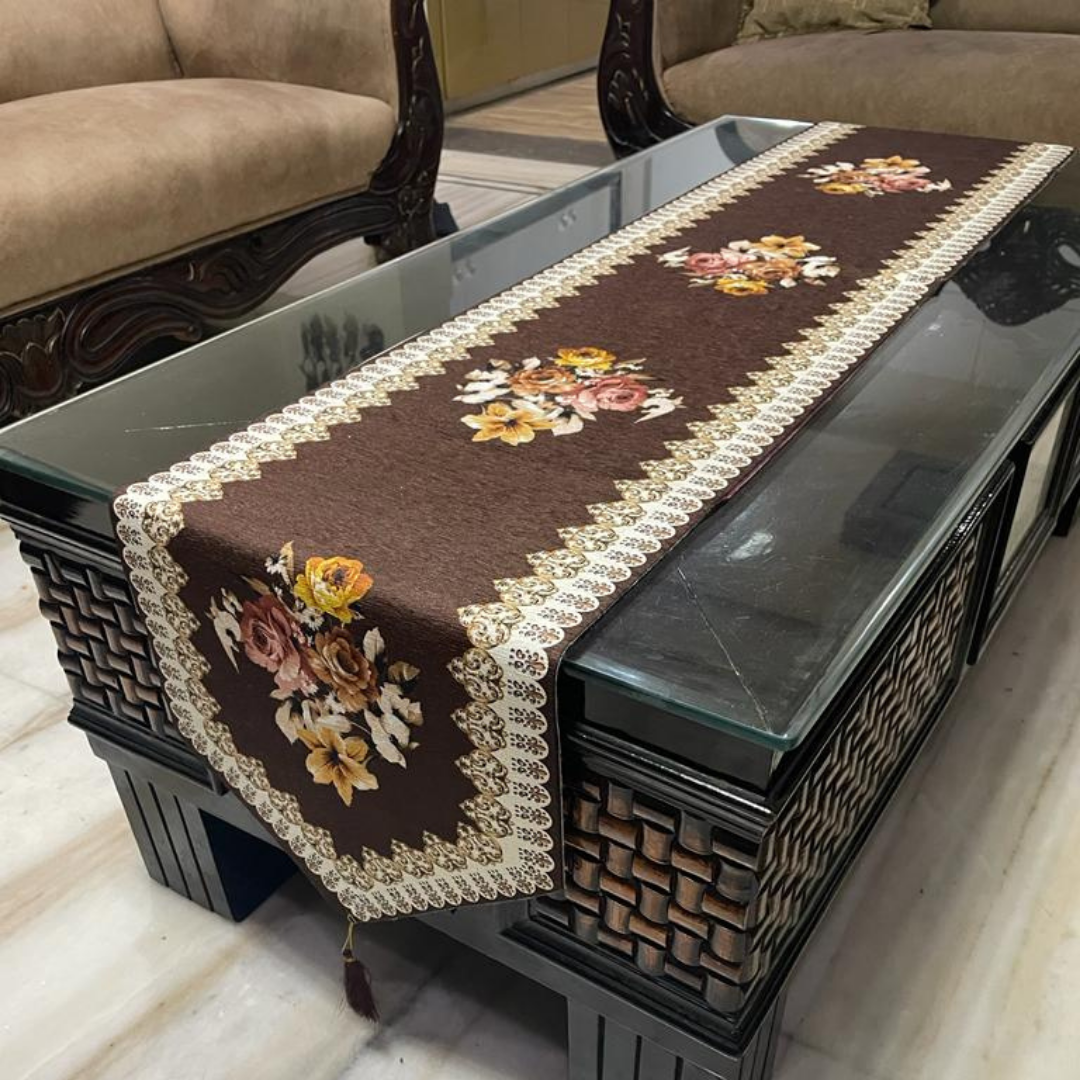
[(954, 954)]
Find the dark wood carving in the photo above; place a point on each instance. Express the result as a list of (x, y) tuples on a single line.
[(632, 104), (50, 353)]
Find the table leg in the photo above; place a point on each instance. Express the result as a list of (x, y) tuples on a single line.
[(189, 849), (603, 1049)]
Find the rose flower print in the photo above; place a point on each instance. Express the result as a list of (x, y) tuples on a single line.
[(335, 693), (559, 394), (896, 175), (754, 268)]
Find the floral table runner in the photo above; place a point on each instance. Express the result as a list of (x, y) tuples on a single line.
[(359, 603)]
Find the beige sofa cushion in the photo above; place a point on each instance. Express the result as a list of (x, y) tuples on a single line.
[(336, 44), (1046, 16), (1009, 86), (688, 28), (100, 180), (779, 18), (51, 45)]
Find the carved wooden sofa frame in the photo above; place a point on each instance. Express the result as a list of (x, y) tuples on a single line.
[(632, 105), (51, 352)]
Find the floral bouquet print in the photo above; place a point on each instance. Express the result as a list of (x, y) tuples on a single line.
[(754, 268), (876, 176), (337, 693), (558, 395)]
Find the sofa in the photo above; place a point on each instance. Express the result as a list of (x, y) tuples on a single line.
[(999, 68), (167, 164)]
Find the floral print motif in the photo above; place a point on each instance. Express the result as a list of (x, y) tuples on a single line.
[(558, 394), (337, 696), (754, 268), (894, 175), (332, 585)]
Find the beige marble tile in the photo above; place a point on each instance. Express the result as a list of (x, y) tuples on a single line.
[(28, 651), (58, 809), (796, 1061), (25, 710)]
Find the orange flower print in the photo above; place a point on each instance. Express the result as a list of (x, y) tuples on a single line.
[(876, 176), (512, 424), (741, 287), (333, 585), (338, 761), (586, 359), (794, 247), (337, 692), (755, 267), (545, 380), (559, 394)]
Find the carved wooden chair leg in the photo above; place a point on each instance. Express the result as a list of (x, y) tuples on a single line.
[(413, 232)]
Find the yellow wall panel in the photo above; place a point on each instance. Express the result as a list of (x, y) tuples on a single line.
[(484, 46), (482, 39), (586, 29), (545, 35)]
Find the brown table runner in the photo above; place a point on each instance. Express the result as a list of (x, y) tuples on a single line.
[(359, 603)]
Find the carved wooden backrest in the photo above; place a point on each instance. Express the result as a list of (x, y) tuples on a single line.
[(51, 45)]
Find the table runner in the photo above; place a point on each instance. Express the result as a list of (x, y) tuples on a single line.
[(359, 603)]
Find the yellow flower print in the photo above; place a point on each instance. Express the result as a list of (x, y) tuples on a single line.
[(338, 761), (794, 247), (838, 188), (513, 424), (894, 162), (741, 287), (332, 585), (586, 358)]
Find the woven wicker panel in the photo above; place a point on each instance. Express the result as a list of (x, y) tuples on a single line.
[(684, 900), (101, 640), (688, 902)]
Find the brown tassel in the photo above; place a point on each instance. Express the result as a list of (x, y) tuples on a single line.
[(357, 980)]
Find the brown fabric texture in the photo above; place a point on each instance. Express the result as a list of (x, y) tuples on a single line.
[(688, 28), (52, 45), (487, 545), (781, 18), (342, 45), (166, 165), (1035, 16), (1009, 86)]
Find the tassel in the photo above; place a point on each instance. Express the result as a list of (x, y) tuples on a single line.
[(357, 980)]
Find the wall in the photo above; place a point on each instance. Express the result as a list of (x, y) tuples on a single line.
[(486, 48)]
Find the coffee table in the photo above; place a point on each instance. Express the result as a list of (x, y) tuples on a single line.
[(732, 731)]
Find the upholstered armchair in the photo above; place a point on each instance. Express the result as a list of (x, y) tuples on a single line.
[(999, 68), (167, 164)]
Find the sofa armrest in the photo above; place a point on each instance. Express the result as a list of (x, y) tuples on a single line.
[(342, 45), (684, 29)]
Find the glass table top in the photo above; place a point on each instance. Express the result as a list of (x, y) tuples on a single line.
[(752, 623)]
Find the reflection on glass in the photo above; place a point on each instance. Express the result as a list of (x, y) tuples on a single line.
[(330, 352), (1037, 480), (1031, 268)]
